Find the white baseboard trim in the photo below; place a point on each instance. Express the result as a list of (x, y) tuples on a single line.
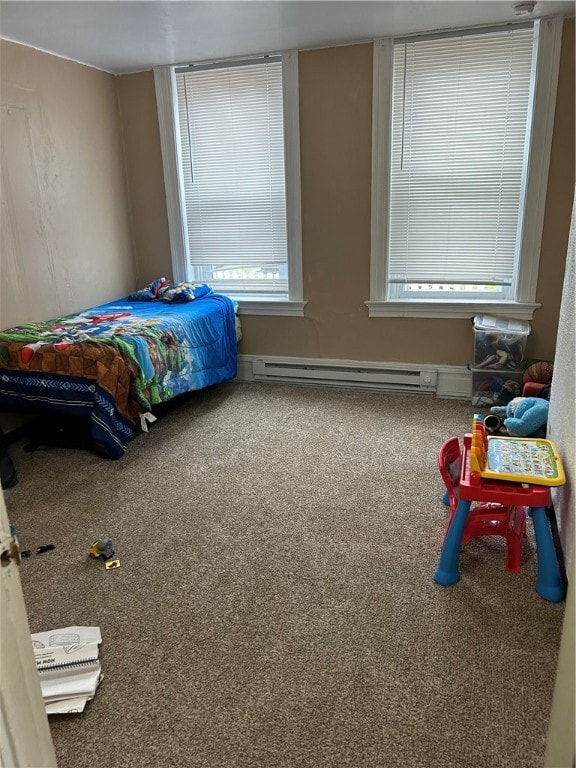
[(453, 381)]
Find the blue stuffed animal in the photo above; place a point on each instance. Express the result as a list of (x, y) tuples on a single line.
[(524, 416)]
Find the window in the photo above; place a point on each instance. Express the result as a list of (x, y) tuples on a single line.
[(461, 141), (231, 160)]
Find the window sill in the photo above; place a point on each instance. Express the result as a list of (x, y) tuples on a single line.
[(451, 309), (270, 307)]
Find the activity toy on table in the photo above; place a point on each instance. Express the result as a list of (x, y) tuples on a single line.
[(519, 459)]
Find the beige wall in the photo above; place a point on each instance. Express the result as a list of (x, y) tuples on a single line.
[(335, 123), (145, 177), (66, 241), (559, 201)]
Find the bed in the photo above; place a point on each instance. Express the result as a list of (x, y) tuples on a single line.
[(112, 363)]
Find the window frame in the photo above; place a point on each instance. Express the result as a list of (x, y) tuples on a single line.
[(166, 97), (548, 37)]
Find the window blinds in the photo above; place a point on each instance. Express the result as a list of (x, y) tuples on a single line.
[(232, 147), (459, 129)]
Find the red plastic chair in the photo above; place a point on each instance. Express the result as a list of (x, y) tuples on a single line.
[(485, 519)]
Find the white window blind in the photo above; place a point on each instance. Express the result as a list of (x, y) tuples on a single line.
[(232, 149), (458, 158)]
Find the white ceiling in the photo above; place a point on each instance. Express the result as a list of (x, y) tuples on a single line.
[(131, 36)]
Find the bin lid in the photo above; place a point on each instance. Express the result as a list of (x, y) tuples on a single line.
[(501, 324)]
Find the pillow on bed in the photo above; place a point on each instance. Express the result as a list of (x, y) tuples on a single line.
[(172, 293), (176, 293), (150, 293)]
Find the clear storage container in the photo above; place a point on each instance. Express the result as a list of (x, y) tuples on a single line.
[(493, 387), (499, 342)]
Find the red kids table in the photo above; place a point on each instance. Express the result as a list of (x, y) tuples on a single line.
[(474, 487)]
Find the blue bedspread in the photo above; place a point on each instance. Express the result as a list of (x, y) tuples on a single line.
[(114, 361)]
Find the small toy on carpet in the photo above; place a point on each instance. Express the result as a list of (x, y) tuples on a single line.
[(102, 549)]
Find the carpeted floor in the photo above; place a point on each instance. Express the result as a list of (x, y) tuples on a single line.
[(275, 606)]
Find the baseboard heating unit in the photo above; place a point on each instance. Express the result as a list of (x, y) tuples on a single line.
[(391, 377)]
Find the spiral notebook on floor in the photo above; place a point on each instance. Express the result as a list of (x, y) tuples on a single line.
[(69, 667)]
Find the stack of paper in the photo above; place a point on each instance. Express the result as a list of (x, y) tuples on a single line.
[(69, 668)]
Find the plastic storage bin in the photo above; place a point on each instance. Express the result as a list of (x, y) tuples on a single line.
[(499, 343), (495, 387)]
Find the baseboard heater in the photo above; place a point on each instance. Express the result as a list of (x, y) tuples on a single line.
[(386, 377)]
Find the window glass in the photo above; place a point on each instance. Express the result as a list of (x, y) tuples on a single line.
[(459, 152), (231, 125)]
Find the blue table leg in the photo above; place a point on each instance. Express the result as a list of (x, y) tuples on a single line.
[(448, 572), (548, 583)]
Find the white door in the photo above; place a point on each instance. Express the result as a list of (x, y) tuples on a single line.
[(25, 740)]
